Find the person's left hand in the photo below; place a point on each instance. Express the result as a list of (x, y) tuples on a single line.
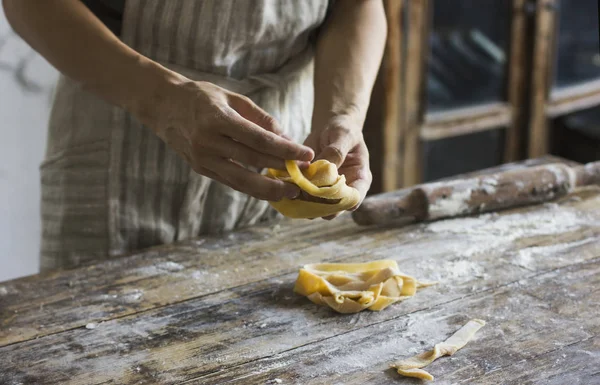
[(341, 141)]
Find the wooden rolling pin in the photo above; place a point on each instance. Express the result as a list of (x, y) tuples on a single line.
[(476, 195)]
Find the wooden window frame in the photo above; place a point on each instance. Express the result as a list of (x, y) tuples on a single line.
[(406, 124), (546, 101)]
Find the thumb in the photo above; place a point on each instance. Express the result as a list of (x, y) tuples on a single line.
[(339, 145)]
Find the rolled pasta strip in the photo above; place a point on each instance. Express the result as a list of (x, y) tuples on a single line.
[(320, 180)]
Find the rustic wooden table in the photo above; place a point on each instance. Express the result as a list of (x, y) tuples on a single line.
[(222, 310)]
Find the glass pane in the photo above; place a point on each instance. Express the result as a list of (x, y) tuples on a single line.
[(577, 136), (578, 58), (468, 53), (460, 154)]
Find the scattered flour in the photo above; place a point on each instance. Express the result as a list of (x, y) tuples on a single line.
[(132, 296), (266, 367), (489, 185), (451, 270), (496, 232), (357, 351), (563, 174), (513, 226), (523, 259), (159, 268), (526, 258), (199, 274), (170, 266), (492, 181), (456, 202)]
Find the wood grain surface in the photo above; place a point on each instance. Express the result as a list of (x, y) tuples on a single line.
[(222, 310)]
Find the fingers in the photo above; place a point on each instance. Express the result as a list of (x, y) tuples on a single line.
[(261, 140), (362, 178), (212, 175), (247, 109), (244, 106), (362, 184), (230, 149), (248, 182), (357, 172)]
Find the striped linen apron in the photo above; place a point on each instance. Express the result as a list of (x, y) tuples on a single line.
[(110, 186)]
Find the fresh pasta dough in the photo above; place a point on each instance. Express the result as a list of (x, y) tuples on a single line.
[(320, 180), (411, 367), (353, 287)]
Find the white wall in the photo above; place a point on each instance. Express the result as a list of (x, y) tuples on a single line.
[(26, 83)]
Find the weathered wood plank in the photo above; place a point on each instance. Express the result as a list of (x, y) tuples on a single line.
[(578, 363), (531, 324), (49, 303), (41, 305), (250, 322)]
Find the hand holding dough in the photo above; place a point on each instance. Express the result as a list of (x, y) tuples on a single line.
[(319, 180), (411, 367), (352, 287)]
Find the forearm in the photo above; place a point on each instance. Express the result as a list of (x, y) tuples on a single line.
[(72, 39), (349, 52)]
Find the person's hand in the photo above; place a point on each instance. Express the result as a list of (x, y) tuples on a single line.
[(341, 142), (220, 132)]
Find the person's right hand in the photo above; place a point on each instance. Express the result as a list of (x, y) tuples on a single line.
[(218, 132)]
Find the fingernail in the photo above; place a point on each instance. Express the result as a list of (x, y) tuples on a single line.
[(291, 192)]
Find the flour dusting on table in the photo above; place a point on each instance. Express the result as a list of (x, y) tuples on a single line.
[(453, 269), (496, 232), (515, 225), (159, 268), (526, 258)]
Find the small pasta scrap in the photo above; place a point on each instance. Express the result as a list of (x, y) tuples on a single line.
[(412, 367)]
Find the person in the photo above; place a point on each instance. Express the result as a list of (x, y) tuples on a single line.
[(158, 133)]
